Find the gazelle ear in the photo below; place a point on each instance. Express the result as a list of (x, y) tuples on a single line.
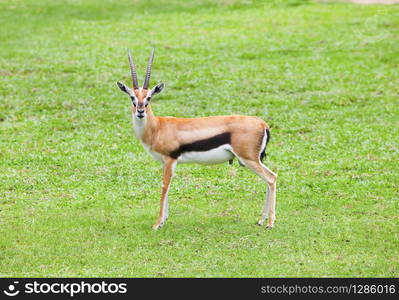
[(124, 88), (157, 89)]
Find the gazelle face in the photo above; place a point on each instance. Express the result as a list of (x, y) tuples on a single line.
[(140, 102), (140, 96), (140, 99)]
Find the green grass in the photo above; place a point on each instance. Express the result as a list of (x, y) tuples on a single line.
[(78, 194)]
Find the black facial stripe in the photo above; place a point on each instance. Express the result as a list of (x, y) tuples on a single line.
[(203, 145)]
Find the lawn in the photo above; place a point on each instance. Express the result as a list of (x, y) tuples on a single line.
[(78, 194)]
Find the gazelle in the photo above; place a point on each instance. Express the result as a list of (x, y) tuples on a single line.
[(207, 140)]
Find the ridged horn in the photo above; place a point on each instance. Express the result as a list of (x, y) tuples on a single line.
[(148, 73), (133, 71)]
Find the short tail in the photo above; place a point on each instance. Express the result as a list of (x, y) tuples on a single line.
[(263, 153)]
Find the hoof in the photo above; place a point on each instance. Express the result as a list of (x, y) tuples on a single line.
[(157, 226)]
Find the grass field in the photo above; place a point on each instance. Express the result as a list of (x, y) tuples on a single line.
[(78, 194)]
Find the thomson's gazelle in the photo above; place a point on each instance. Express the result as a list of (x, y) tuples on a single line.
[(207, 140)]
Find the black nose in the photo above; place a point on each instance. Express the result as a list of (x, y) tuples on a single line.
[(140, 111)]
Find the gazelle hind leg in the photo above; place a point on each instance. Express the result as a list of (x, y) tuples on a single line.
[(270, 178), (272, 189), (166, 208), (265, 210)]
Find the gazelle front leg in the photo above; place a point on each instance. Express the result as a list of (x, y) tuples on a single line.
[(168, 168)]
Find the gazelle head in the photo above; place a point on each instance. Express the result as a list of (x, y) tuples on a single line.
[(140, 96)]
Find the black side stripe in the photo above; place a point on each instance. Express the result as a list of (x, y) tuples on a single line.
[(203, 145)]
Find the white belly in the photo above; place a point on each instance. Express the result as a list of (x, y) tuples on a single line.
[(214, 156)]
